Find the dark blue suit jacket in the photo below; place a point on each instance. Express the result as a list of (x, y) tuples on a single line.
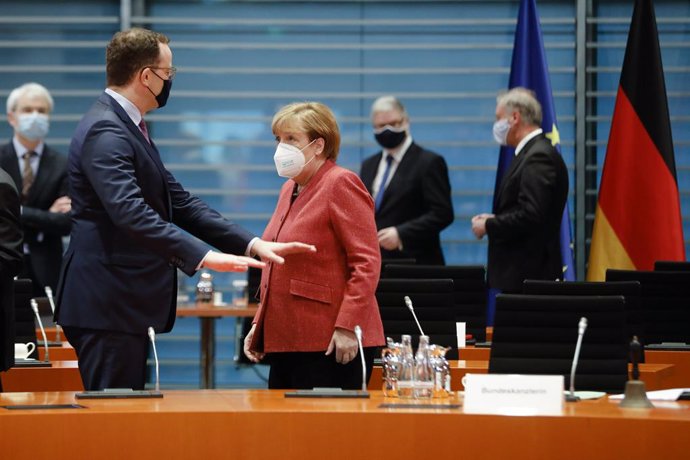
[(128, 212), (417, 202)]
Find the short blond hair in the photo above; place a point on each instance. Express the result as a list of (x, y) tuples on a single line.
[(313, 118), (523, 101)]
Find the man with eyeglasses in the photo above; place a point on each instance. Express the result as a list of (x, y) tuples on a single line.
[(410, 187), (130, 215)]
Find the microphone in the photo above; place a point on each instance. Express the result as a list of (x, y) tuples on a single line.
[(128, 393), (34, 307), (49, 294), (358, 334), (408, 302), (152, 338), (581, 328)]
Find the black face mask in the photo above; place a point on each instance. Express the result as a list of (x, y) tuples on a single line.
[(162, 97), (389, 139)]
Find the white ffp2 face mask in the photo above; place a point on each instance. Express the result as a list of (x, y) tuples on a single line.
[(290, 160), (501, 129), (33, 126)]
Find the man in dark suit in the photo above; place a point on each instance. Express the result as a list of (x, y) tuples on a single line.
[(10, 264), (410, 187), (524, 231), (127, 242), (40, 174)]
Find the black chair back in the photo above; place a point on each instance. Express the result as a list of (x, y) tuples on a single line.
[(628, 289), (537, 334), (671, 266), (469, 291), (433, 304), (388, 261), (25, 323), (664, 302)]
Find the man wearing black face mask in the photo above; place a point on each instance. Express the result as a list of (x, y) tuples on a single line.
[(119, 274), (410, 187)]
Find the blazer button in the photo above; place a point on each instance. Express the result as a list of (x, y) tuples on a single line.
[(273, 239)]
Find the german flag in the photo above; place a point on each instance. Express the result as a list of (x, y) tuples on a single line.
[(638, 218)]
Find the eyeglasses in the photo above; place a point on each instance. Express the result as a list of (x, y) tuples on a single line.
[(171, 71)]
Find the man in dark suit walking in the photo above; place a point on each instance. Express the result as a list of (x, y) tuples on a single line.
[(119, 273), (10, 263), (40, 174), (524, 231), (410, 187)]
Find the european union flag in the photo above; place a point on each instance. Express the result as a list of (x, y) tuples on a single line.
[(529, 70)]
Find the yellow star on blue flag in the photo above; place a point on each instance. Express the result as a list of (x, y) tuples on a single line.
[(553, 136)]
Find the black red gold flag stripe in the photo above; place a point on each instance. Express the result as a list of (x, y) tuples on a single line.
[(638, 218)]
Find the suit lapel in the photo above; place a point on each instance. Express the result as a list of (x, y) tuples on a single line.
[(151, 149), (369, 169), (401, 173), (515, 165)]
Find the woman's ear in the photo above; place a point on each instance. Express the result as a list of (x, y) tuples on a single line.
[(320, 145)]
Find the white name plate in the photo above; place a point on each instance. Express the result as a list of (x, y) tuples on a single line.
[(513, 394), (460, 332)]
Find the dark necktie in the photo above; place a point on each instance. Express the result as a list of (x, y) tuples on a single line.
[(144, 130), (27, 175), (382, 187)]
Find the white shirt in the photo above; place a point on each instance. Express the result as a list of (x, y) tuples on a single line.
[(127, 105), (526, 139), (397, 155)]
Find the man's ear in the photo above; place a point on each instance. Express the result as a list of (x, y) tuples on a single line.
[(12, 119)]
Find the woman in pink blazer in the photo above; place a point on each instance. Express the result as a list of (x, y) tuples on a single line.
[(311, 304)]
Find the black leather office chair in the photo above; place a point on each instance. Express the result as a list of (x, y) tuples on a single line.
[(536, 334), (671, 266), (386, 262), (664, 302), (433, 303), (469, 290), (628, 289), (25, 323)]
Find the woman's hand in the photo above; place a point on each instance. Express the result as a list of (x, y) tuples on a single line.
[(344, 343), (254, 356)]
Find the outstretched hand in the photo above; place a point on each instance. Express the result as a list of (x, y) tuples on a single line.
[(273, 252), (222, 262)]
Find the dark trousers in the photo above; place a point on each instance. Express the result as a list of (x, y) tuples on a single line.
[(307, 370), (109, 359), (29, 273)]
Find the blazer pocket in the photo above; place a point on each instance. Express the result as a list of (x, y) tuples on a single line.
[(311, 291)]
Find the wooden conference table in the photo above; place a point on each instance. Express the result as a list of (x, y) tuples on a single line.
[(207, 314), (655, 376), (677, 376), (262, 424)]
